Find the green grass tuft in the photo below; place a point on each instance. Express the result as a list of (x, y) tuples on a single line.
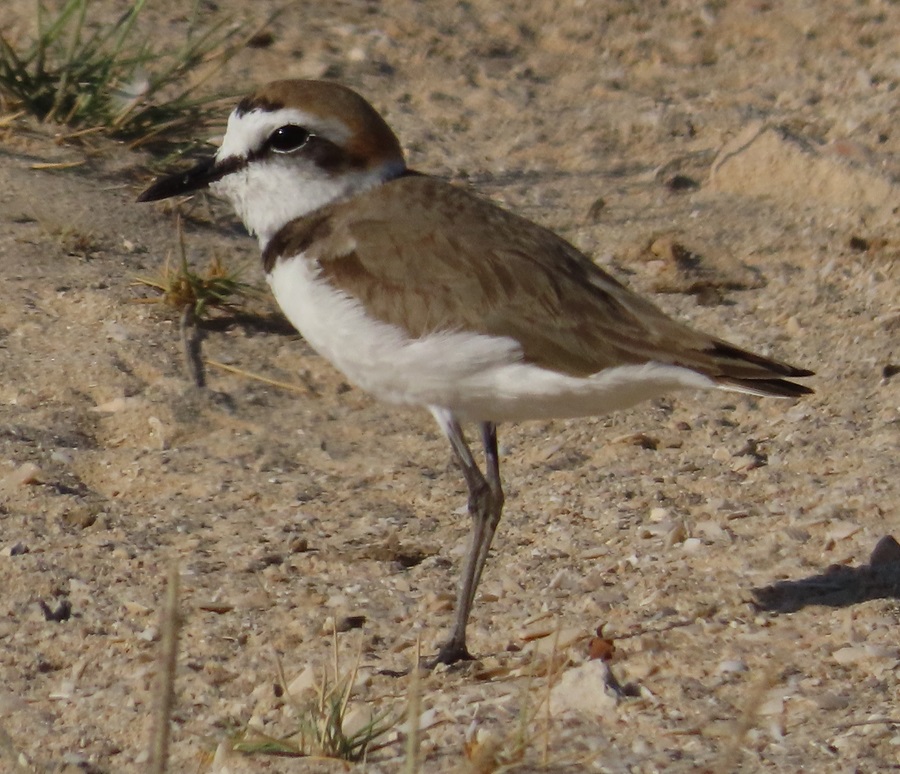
[(323, 729), (218, 289), (111, 80)]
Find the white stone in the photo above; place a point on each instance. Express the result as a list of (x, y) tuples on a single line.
[(584, 689)]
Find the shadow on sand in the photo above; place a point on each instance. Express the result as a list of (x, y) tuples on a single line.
[(838, 585)]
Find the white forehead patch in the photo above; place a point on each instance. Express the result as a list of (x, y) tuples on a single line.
[(247, 132)]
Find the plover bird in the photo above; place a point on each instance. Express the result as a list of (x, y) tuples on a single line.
[(426, 295)]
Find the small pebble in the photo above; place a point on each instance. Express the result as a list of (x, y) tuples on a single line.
[(61, 456), (65, 691), (349, 622), (833, 701), (659, 514), (721, 454), (117, 404), (116, 332), (841, 530), (358, 717), (773, 705), (678, 534), (561, 581), (585, 689), (692, 545), (850, 655), (298, 545), (157, 429), (27, 473), (303, 684), (26, 400), (150, 634)]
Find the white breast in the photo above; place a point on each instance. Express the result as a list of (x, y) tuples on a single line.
[(477, 377)]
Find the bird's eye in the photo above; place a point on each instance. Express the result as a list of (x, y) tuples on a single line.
[(288, 138)]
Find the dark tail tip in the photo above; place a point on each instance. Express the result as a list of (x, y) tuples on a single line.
[(776, 388), (757, 374)]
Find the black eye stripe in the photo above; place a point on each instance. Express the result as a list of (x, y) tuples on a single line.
[(292, 138), (288, 138)]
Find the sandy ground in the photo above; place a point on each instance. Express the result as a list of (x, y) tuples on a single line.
[(288, 511)]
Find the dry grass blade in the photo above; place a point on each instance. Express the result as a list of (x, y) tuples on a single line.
[(728, 760), (165, 694), (490, 753), (414, 707), (58, 165), (9, 120), (258, 377), (9, 752)]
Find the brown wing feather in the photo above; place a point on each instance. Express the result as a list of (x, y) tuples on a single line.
[(499, 274)]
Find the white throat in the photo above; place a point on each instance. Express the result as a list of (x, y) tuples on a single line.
[(268, 193)]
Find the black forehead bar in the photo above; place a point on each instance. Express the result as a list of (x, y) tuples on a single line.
[(249, 104)]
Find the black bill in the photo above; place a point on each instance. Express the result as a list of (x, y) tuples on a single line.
[(198, 177)]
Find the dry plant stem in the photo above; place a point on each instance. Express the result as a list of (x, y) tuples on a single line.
[(552, 675), (57, 165), (351, 679), (8, 750), (413, 711), (191, 336), (9, 120), (869, 722), (728, 761), (282, 679), (192, 342), (165, 694)]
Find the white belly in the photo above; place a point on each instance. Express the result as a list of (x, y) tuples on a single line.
[(474, 376)]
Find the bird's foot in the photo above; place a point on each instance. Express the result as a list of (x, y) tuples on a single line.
[(451, 653)]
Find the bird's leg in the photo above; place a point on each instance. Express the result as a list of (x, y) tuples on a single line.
[(492, 459), (494, 506), (485, 507)]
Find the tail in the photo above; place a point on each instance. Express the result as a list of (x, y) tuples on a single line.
[(738, 369)]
